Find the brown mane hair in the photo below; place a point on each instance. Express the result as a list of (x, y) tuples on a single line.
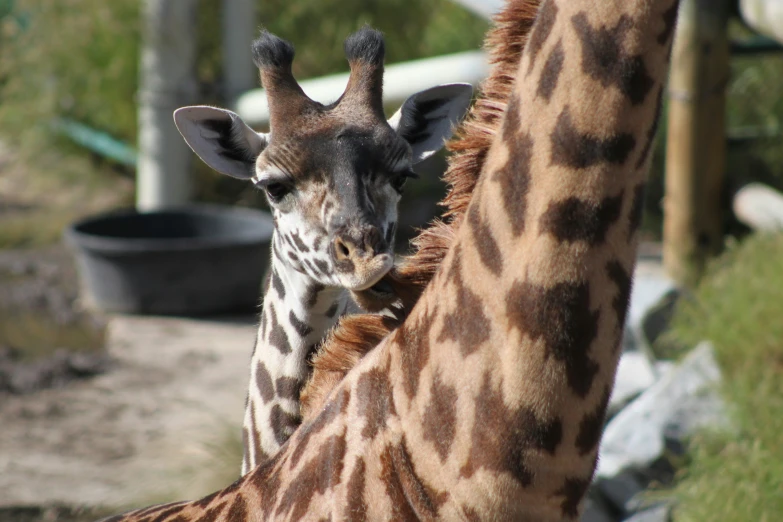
[(356, 335)]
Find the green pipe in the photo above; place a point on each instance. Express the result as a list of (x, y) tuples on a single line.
[(96, 141)]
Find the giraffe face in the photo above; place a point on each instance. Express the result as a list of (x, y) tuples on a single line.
[(333, 181), (334, 196)]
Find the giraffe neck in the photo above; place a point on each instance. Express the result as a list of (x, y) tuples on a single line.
[(297, 313), (526, 315)]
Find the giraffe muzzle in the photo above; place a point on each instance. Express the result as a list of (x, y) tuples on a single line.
[(361, 257)]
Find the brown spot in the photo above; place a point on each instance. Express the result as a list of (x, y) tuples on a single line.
[(277, 283), (238, 509), (337, 405), (468, 325), (575, 220), (319, 474), (637, 210), (266, 482), (332, 310), (573, 491), (264, 382), (416, 340), (591, 426), (411, 499), (440, 417), (622, 279), (514, 176), (293, 257), (501, 436), (486, 245), (605, 60), (357, 507), (561, 316), (288, 387), (311, 295), (283, 423), (211, 514), (471, 515), (545, 20), (572, 149), (302, 328), (298, 243), (669, 21), (322, 265), (375, 402), (277, 336), (551, 72), (652, 130), (255, 434)]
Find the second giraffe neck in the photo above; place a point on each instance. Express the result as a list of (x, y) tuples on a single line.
[(297, 313)]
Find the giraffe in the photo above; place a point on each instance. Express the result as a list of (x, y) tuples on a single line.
[(487, 402), (333, 176)]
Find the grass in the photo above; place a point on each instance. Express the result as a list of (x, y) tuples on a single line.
[(739, 305)]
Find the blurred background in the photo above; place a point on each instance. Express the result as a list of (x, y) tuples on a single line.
[(69, 134)]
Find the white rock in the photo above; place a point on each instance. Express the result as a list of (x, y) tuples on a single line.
[(635, 436), (634, 375)]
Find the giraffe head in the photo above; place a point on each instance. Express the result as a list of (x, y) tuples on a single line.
[(333, 174)]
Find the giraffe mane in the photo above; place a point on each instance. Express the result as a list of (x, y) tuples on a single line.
[(356, 335)]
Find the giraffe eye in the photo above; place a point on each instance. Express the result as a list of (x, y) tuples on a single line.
[(276, 191), (398, 181)]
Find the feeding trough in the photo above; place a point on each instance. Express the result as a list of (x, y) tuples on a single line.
[(193, 260)]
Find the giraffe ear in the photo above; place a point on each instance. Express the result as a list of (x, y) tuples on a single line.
[(427, 119), (221, 139)]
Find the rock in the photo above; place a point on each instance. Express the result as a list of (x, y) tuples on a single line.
[(23, 377), (657, 317), (635, 374), (681, 401), (660, 513), (651, 284), (596, 510), (620, 489)]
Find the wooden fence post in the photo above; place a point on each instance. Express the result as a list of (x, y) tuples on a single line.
[(696, 139)]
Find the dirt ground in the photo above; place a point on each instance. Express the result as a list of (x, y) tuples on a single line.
[(170, 405), (101, 413)]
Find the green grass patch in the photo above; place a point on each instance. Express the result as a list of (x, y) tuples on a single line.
[(739, 306)]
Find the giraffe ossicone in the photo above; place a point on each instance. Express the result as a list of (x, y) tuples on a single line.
[(333, 176)]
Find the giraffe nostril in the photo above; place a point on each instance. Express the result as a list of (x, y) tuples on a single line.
[(342, 249)]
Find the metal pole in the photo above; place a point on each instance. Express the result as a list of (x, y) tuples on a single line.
[(696, 139), (239, 28), (167, 82)]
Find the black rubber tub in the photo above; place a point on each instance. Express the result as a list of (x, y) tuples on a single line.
[(193, 260)]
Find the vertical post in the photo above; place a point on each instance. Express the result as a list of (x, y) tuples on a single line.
[(239, 27), (167, 82), (696, 139)]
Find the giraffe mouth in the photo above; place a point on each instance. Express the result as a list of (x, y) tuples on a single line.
[(367, 272), (381, 290)]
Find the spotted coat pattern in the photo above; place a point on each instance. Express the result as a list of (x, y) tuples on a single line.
[(487, 403)]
